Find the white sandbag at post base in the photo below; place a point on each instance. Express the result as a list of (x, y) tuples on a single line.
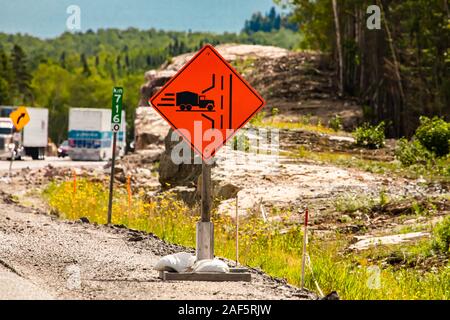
[(178, 262), (208, 265)]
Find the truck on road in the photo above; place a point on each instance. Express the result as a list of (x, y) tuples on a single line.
[(6, 137), (31, 141), (186, 100), (90, 135)]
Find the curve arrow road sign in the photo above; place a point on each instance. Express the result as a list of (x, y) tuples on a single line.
[(20, 118)]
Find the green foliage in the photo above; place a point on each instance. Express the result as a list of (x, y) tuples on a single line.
[(244, 66), (257, 120), (15, 77), (316, 22), (274, 111), (410, 153), (21, 75), (269, 22), (241, 142), (335, 123), (434, 134), (441, 236), (4, 92), (350, 203), (370, 136), (425, 160), (418, 36)]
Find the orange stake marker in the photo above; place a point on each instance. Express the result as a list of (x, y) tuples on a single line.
[(129, 189), (74, 174)]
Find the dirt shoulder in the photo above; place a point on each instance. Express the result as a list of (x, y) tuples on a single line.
[(74, 260)]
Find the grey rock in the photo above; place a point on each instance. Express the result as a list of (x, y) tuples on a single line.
[(171, 174), (187, 194)]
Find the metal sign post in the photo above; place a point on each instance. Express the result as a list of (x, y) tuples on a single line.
[(116, 119)]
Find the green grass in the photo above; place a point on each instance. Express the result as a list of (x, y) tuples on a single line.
[(436, 173), (302, 123), (273, 247), (244, 66)]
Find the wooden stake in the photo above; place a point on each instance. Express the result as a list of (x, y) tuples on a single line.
[(305, 240), (206, 192), (237, 232), (74, 175), (129, 190), (205, 228)]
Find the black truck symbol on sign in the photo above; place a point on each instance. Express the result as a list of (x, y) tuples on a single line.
[(186, 100)]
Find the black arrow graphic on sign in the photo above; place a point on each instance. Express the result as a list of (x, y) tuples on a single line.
[(22, 115)]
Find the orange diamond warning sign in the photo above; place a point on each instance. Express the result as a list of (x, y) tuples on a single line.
[(207, 101)]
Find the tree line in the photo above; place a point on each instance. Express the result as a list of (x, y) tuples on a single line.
[(80, 69)]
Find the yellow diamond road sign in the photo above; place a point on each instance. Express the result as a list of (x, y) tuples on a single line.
[(20, 118)]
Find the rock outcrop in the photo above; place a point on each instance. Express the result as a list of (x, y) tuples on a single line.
[(171, 174)]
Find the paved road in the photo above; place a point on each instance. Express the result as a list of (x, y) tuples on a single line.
[(54, 161), (14, 287)]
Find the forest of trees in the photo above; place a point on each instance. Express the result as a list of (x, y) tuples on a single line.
[(399, 72), (269, 22), (80, 69)]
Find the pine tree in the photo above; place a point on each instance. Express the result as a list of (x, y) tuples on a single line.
[(62, 59), (127, 62), (22, 77), (5, 79), (4, 92), (84, 63)]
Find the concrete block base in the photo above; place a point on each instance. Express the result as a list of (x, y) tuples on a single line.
[(205, 276)]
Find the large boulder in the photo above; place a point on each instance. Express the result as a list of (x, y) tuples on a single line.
[(184, 174), (150, 128)]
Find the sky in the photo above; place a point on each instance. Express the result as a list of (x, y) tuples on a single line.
[(47, 18)]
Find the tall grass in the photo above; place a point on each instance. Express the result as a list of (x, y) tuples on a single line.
[(273, 247)]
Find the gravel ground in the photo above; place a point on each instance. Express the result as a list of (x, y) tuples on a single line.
[(75, 260)]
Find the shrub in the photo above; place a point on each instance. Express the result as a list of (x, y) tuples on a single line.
[(441, 236), (412, 152), (241, 142), (335, 123), (274, 111), (370, 136), (258, 118), (434, 134)]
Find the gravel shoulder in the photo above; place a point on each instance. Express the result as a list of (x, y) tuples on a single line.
[(73, 260)]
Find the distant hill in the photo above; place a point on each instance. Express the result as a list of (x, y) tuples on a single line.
[(144, 48)]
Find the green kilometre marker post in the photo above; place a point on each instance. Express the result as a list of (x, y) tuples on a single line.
[(116, 120)]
